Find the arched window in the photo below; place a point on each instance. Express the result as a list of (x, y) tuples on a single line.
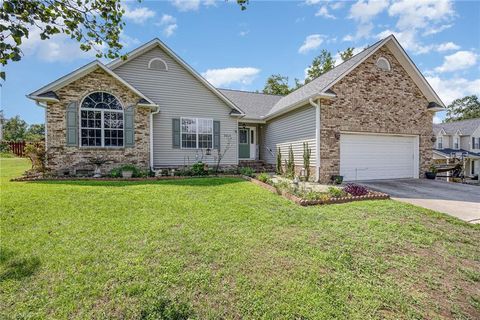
[(101, 121), (383, 64), (157, 64)]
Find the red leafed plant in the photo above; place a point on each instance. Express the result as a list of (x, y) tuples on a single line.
[(355, 189)]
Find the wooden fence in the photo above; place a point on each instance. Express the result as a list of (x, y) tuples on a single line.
[(17, 148)]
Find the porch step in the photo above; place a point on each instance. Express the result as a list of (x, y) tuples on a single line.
[(257, 165)]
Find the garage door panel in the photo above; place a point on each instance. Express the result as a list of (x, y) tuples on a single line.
[(365, 157)]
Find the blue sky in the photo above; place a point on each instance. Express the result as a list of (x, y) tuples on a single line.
[(240, 49)]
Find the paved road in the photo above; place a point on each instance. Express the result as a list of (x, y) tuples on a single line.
[(459, 200)]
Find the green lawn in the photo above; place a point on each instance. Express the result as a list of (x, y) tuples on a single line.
[(225, 248)]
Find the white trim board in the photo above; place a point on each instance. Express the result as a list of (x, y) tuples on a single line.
[(79, 73)]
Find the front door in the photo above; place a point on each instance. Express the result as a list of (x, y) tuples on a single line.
[(244, 143)]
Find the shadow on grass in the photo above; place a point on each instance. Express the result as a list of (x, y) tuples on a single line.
[(193, 182), (14, 268), (163, 308)]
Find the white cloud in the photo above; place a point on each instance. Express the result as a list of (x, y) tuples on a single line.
[(421, 14), (337, 5), (311, 42), (312, 2), (128, 41), (323, 12), (436, 29), (450, 89), (460, 60), (191, 5), (364, 10), (436, 119), (243, 33), (447, 46), (228, 76), (338, 58), (169, 24), (138, 15), (59, 48)]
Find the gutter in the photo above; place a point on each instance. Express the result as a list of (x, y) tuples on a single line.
[(317, 137), (151, 135)]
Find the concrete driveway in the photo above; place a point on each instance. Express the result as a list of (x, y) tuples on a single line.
[(459, 200)]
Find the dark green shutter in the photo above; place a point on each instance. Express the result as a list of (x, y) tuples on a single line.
[(216, 135), (129, 126), (176, 133), (72, 125)]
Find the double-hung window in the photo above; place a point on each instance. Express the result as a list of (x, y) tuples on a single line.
[(456, 143), (196, 133), (101, 121), (440, 142)]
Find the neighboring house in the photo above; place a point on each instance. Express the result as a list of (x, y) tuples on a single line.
[(368, 118), (459, 140)]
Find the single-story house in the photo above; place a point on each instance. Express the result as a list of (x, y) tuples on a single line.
[(368, 118), (458, 142)]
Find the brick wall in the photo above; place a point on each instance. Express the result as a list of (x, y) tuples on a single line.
[(373, 100), (62, 158)]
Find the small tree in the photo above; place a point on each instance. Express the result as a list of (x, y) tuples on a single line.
[(221, 154), (37, 155), (278, 167), (290, 166), (307, 152)]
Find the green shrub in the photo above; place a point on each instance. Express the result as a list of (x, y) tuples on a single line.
[(307, 153), (335, 192), (37, 155), (136, 172), (246, 171), (290, 164), (282, 186), (4, 147), (199, 169), (278, 166), (264, 177)]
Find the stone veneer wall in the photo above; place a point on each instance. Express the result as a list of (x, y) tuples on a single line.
[(373, 100), (62, 158)]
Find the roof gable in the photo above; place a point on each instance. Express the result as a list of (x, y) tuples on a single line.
[(464, 127), (156, 42), (43, 94), (326, 81)]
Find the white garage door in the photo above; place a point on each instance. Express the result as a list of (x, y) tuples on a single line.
[(369, 156)]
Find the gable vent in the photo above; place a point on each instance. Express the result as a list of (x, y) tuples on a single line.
[(383, 64), (157, 64)]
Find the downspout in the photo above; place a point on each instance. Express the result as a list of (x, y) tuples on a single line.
[(45, 117), (151, 136), (317, 137)]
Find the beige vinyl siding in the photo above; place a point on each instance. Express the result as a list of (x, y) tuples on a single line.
[(292, 128), (178, 94)]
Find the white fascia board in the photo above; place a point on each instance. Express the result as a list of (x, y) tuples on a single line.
[(252, 120), (42, 99), (407, 63), (156, 42), (77, 74)]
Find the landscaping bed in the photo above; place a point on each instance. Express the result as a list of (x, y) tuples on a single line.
[(305, 196)]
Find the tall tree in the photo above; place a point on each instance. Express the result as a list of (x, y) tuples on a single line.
[(277, 84), (14, 129), (462, 109), (320, 64), (35, 132), (347, 54)]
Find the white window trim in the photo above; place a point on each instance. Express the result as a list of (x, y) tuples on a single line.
[(157, 59), (385, 60), (440, 142), (456, 142), (196, 132), (102, 139)]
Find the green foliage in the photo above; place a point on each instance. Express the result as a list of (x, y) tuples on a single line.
[(246, 171), (199, 169), (463, 109), (277, 84), (433, 169), (37, 155), (307, 153), (4, 147), (290, 164), (164, 308), (35, 132), (136, 172), (278, 164), (347, 54), (264, 177), (320, 64), (335, 192), (14, 129)]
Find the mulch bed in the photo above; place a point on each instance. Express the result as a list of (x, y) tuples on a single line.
[(372, 195)]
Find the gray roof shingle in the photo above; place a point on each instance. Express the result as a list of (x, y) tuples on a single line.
[(255, 105), (321, 83), (466, 127)]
